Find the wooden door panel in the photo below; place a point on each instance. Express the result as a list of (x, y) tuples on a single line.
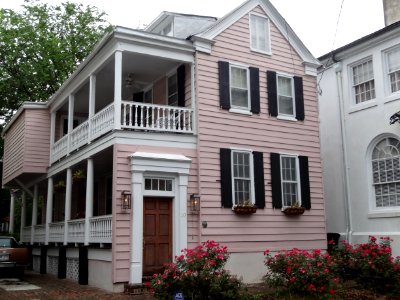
[(157, 234)]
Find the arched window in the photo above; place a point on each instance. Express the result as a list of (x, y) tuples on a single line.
[(386, 172)]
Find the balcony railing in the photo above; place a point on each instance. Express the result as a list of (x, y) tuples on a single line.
[(100, 231), (134, 115)]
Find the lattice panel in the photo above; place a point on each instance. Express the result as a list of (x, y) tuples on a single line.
[(73, 269), (52, 265), (36, 263)]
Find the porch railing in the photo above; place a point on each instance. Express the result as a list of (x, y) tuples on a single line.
[(153, 117), (76, 231), (56, 232), (101, 229), (40, 233), (134, 115)]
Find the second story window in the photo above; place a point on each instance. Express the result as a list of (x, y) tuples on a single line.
[(239, 87), (393, 61), (286, 105), (363, 81), (259, 34)]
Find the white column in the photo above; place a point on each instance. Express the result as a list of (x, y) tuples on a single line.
[(136, 270), (49, 208), (23, 215), (34, 212), (92, 103), (117, 89), (194, 99), (68, 196), (52, 135), (71, 101), (89, 198), (12, 208)]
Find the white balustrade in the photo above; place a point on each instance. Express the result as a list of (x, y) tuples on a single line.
[(101, 229), (76, 231), (59, 149), (39, 234), (102, 122), (26, 234), (80, 136), (144, 116), (56, 232)]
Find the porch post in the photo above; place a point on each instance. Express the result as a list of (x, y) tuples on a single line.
[(12, 208), (68, 194), (23, 215), (71, 101), (49, 208), (194, 100), (34, 212), (117, 90), (92, 104), (89, 199), (52, 135)]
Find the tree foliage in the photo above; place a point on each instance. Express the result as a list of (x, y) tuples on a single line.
[(40, 46)]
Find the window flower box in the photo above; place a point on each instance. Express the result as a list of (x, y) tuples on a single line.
[(246, 208), (293, 210)]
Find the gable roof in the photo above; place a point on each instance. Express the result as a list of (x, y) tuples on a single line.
[(230, 18)]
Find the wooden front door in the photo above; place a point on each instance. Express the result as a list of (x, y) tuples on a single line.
[(157, 234)]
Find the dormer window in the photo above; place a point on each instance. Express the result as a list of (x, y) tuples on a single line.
[(260, 34)]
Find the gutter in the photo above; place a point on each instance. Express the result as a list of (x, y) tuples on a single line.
[(345, 179)]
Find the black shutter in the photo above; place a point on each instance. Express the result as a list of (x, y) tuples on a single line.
[(254, 90), (304, 182), (299, 97), (226, 178), (276, 180), (180, 73), (272, 94), (224, 94), (259, 186)]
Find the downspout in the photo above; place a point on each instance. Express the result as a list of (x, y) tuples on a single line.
[(339, 81)]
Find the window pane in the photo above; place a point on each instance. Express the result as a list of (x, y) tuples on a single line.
[(147, 184), (394, 60), (242, 191), (169, 185), (285, 106), (363, 80), (259, 33), (239, 98), (239, 77), (284, 86)]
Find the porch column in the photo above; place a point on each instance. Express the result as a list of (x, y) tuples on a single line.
[(23, 215), (68, 194), (89, 198), (117, 89), (52, 135), (49, 208), (92, 103), (71, 102), (194, 99), (34, 212), (12, 208)]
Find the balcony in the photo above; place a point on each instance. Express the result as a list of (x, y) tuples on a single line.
[(100, 231), (134, 116)]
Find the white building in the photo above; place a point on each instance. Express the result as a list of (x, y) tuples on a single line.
[(359, 87)]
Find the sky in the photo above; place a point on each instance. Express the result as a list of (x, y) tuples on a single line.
[(314, 21)]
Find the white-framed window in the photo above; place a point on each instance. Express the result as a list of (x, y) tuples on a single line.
[(386, 173), (290, 180), (158, 184), (242, 177), (259, 34), (239, 87), (285, 94), (363, 81), (172, 89), (393, 69)]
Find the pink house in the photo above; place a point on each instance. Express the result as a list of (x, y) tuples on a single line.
[(194, 129)]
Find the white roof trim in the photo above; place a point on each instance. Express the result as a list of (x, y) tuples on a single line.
[(274, 16), (160, 156)]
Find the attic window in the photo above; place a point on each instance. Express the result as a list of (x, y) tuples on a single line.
[(167, 30), (260, 34)]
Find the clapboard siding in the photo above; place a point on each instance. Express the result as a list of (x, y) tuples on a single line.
[(122, 178), (27, 144), (221, 129)]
